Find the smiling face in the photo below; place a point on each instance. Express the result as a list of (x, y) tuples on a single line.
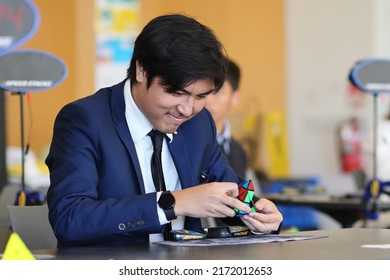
[(168, 110)]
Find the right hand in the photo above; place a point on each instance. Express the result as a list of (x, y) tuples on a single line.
[(214, 199)]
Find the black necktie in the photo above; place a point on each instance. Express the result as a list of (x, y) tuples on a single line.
[(157, 172)]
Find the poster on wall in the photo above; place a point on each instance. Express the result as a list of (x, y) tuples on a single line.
[(116, 27)]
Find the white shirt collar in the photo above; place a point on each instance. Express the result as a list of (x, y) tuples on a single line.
[(226, 133)]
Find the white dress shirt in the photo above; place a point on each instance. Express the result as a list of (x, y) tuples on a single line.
[(139, 128)]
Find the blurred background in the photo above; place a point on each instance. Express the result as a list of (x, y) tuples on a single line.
[(294, 55)]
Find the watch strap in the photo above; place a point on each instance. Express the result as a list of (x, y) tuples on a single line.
[(170, 214)]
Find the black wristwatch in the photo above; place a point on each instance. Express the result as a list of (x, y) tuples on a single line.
[(167, 203)]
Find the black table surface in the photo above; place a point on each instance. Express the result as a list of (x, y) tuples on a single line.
[(345, 209), (326, 201), (340, 244)]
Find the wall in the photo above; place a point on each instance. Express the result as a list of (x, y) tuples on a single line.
[(324, 39)]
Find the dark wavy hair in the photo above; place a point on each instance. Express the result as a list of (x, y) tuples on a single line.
[(233, 74), (179, 50)]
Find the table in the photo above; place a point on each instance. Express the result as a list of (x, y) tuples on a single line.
[(346, 210), (340, 244)]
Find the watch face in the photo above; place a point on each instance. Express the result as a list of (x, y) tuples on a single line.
[(167, 200)]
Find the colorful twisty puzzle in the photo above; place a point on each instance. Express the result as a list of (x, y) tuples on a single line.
[(246, 191)]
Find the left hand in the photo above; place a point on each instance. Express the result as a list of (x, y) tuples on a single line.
[(267, 217)]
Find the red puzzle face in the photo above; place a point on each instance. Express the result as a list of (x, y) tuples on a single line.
[(246, 191)]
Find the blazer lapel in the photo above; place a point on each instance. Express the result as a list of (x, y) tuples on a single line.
[(118, 116), (182, 161)]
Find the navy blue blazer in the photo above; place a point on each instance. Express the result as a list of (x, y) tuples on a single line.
[(97, 194)]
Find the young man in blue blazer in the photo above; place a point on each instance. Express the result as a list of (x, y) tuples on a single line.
[(102, 191)]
